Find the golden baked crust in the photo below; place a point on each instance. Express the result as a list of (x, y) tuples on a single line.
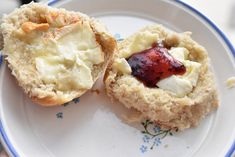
[(159, 105), (36, 16)]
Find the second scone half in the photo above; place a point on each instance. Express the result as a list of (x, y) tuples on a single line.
[(55, 55), (164, 75)]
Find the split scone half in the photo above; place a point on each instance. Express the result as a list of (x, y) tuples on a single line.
[(165, 76), (55, 55)]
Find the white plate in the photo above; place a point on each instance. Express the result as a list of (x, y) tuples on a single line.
[(94, 126)]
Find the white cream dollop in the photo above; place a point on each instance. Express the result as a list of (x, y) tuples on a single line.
[(122, 65), (142, 41), (181, 85)]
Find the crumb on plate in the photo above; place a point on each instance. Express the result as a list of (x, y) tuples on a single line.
[(97, 91), (230, 82)]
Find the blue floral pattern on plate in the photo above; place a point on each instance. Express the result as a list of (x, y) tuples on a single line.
[(143, 148), (59, 115), (118, 37), (152, 135), (76, 100)]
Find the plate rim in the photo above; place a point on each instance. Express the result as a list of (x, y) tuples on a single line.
[(231, 149), (11, 149)]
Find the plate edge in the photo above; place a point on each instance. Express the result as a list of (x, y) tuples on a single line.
[(12, 150), (231, 150)]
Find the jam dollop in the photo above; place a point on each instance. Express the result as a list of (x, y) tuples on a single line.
[(154, 64)]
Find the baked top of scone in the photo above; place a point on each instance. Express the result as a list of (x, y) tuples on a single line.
[(164, 75), (55, 55)]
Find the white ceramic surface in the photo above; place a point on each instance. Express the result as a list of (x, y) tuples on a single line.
[(94, 126)]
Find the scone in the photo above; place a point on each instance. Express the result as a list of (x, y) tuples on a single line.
[(165, 76), (55, 55)]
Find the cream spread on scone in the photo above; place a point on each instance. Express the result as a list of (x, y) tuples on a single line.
[(122, 65), (180, 85), (64, 56), (142, 41)]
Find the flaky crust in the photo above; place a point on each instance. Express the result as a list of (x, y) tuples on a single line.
[(26, 74), (159, 105)]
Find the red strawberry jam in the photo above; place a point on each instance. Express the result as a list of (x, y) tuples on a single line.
[(154, 64)]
